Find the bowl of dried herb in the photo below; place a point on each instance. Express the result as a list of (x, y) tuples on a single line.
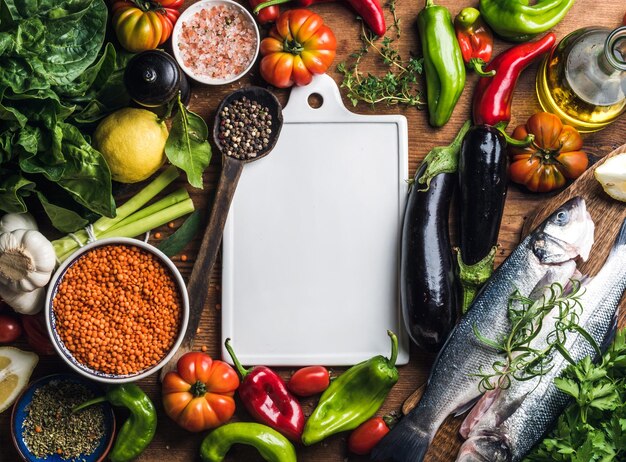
[(44, 428)]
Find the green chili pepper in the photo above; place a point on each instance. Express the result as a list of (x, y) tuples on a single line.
[(518, 21), (443, 62), (138, 430), (273, 446), (353, 397)]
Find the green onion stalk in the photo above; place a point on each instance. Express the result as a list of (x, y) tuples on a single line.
[(131, 219)]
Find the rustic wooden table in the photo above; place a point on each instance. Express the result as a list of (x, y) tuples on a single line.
[(174, 444)]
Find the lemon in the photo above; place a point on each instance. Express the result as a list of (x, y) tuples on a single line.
[(132, 142), (612, 176), (16, 366)]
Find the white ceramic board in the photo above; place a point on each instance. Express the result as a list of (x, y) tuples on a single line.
[(311, 245)]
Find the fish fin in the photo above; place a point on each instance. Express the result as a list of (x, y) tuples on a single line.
[(406, 442), (462, 409), (620, 240), (478, 411)]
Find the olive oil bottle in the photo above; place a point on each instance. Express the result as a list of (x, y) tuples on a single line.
[(583, 80)]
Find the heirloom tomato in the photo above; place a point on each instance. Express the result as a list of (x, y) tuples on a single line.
[(144, 25), (553, 157), (199, 395), (299, 45)]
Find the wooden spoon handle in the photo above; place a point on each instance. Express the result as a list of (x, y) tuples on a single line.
[(198, 286)]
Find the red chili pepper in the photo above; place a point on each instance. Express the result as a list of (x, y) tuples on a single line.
[(493, 95), (265, 396), (309, 381), (370, 10), (475, 39), (266, 14)]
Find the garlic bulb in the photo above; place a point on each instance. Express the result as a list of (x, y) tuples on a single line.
[(27, 259), (24, 302), (12, 221)]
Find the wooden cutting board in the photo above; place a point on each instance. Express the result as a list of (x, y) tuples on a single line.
[(607, 213)]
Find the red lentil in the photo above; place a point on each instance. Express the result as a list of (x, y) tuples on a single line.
[(183, 258), (157, 235), (118, 309)]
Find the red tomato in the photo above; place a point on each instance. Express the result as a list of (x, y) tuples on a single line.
[(367, 435), (309, 381), (10, 329), (37, 333)]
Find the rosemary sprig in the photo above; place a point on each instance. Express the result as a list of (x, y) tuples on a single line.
[(399, 85), (521, 359)]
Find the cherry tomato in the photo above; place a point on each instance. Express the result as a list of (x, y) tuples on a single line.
[(367, 435), (10, 329), (309, 381), (37, 333)]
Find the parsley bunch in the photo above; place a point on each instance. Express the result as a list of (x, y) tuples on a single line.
[(593, 427), (399, 85)]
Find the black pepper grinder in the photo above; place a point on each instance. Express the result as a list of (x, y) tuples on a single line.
[(153, 79)]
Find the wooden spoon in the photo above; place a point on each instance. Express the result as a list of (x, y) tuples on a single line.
[(232, 167)]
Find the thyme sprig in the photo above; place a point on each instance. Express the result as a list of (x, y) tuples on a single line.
[(522, 360), (399, 85)]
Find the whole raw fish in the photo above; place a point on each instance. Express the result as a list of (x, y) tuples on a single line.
[(520, 415), (452, 387)]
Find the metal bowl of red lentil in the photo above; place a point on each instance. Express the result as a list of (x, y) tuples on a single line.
[(117, 310), (216, 41)]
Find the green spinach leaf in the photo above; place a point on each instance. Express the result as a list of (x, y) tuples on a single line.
[(86, 176), (65, 220), (13, 190)]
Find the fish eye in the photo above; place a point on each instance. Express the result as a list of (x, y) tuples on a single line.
[(562, 217)]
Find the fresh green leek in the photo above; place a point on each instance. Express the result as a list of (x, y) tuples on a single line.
[(131, 220)]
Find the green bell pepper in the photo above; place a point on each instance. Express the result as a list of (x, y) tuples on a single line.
[(517, 21), (443, 62), (273, 446), (353, 397), (138, 430)]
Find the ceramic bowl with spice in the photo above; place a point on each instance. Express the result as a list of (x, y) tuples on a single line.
[(216, 42), (43, 426), (117, 310)]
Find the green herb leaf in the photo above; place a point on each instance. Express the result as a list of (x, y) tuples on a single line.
[(593, 427), (398, 85), (187, 146), (175, 243)]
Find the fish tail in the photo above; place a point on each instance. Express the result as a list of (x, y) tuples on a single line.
[(620, 240), (406, 442)]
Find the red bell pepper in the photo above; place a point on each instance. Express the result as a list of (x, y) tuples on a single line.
[(267, 399), (475, 39), (493, 95), (370, 10)]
